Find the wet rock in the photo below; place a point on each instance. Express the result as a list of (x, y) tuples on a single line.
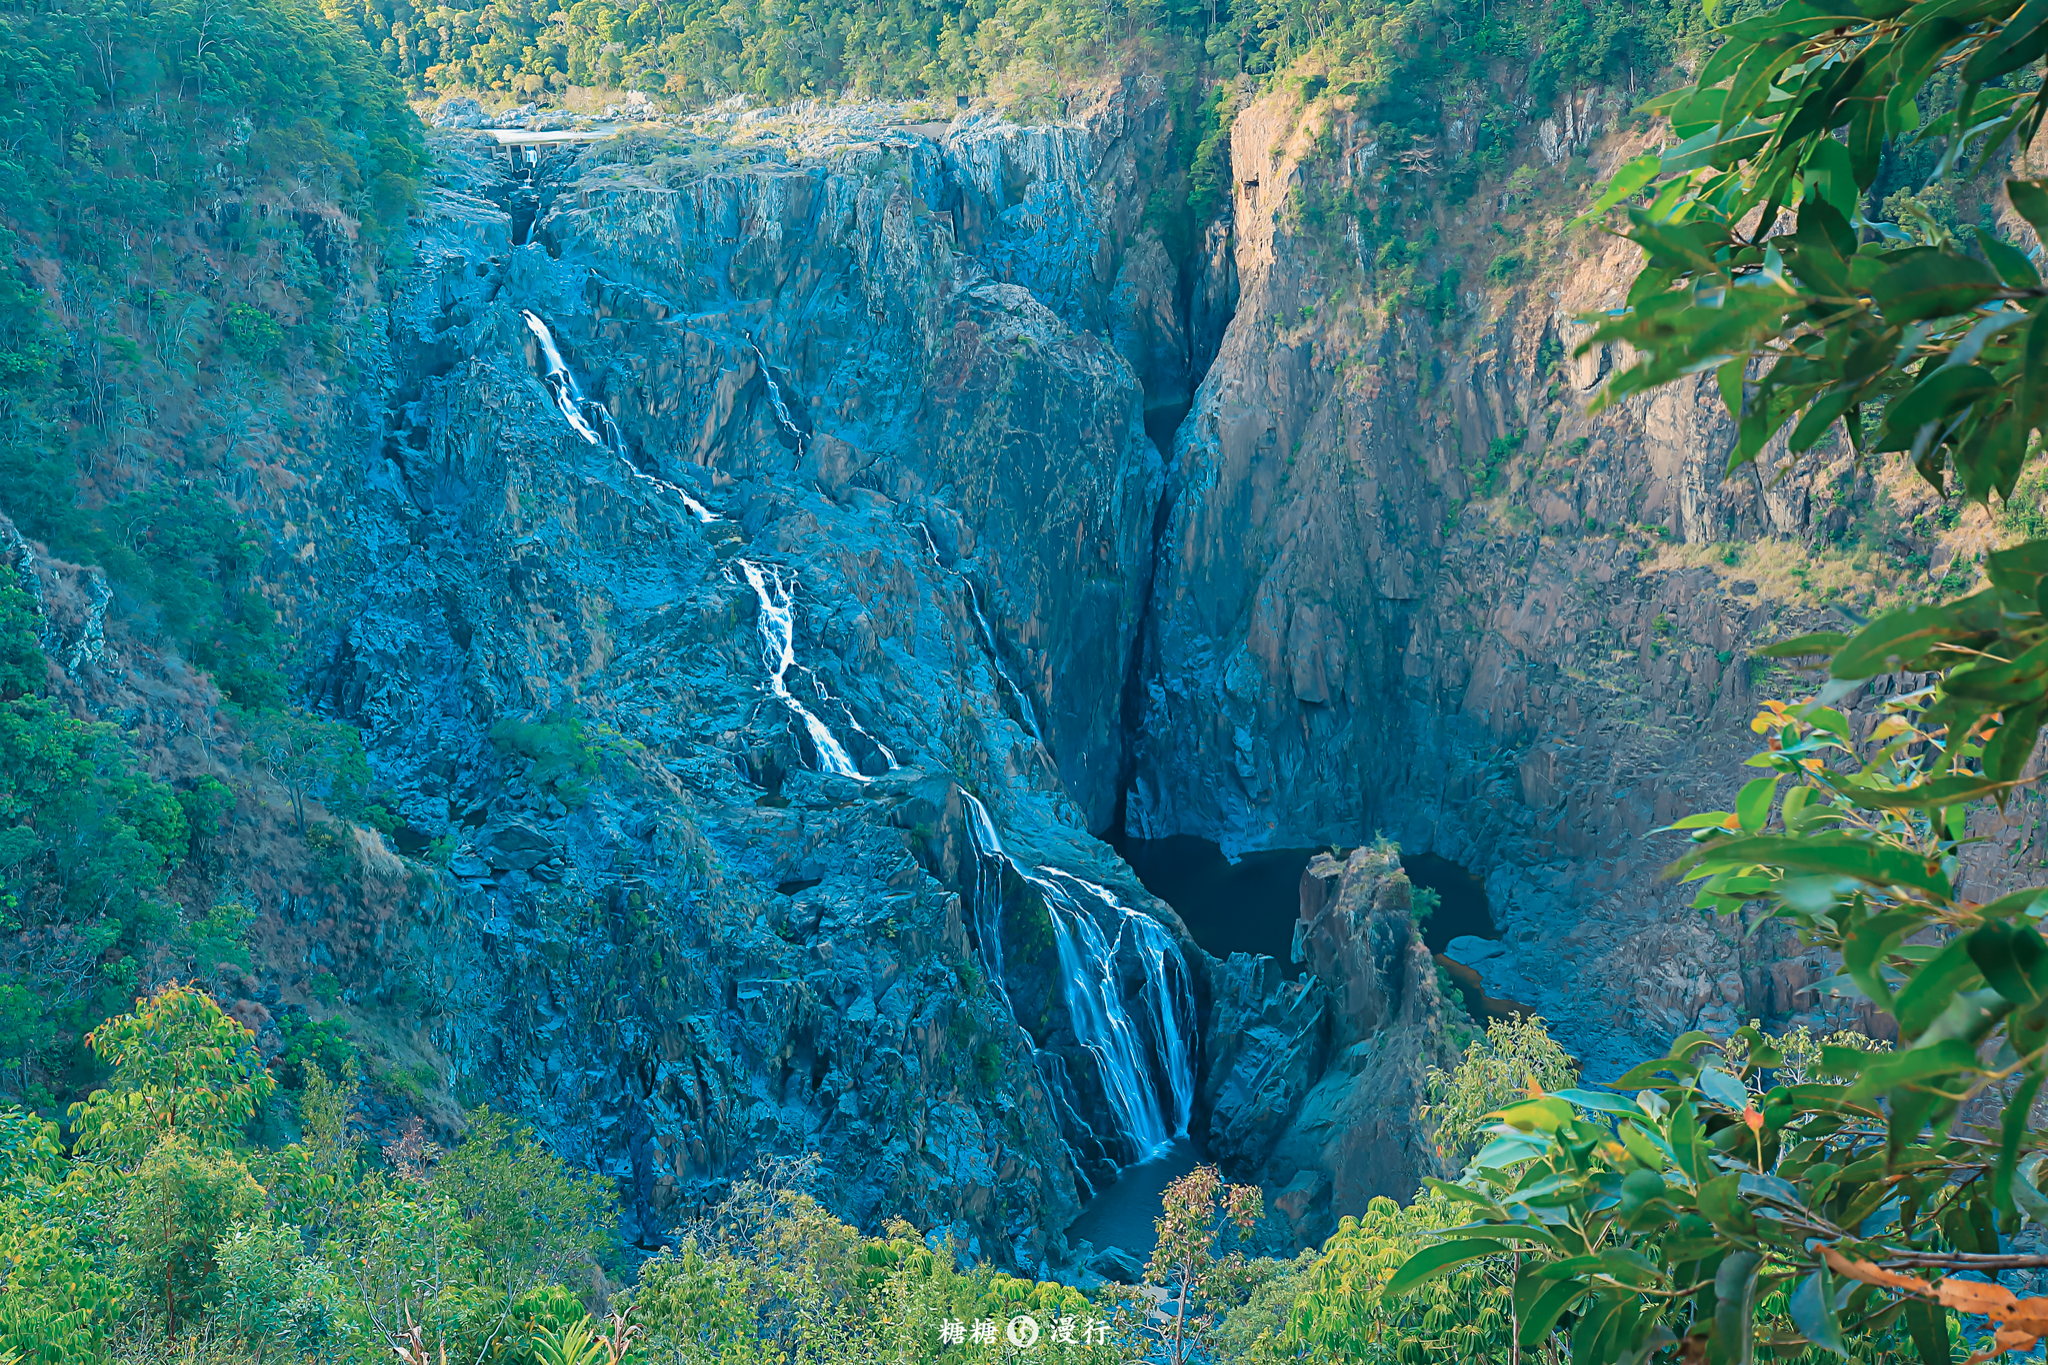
[(670, 938), (1315, 1086)]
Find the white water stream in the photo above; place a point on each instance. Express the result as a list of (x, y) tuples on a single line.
[(988, 635), (783, 416), (778, 648), (592, 420), (1092, 991), (1170, 1001)]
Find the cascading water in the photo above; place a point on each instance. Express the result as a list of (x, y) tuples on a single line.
[(988, 635), (1167, 993), (989, 861), (1101, 1023), (593, 421), (778, 642), (995, 655), (783, 416)]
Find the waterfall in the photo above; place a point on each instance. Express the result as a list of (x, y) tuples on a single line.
[(561, 382), (1173, 1011), (778, 641), (1168, 996), (561, 385), (989, 861), (988, 635), (1101, 1023), (1150, 1088), (995, 655), (783, 417)]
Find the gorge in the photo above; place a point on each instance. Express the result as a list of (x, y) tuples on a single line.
[(780, 555)]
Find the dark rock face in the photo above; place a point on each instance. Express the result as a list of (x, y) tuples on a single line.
[(1399, 589), (870, 525), (1315, 1086), (671, 936)]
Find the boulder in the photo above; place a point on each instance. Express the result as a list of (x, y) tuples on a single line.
[(1114, 1263), (459, 111)]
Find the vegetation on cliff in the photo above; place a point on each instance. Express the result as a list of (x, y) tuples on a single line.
[(1729, 1208), (196, 201)]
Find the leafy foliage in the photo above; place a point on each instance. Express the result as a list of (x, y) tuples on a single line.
[(771, 1276), (1347, 1313), (532, 1217), (180, 1068), (1747, 1203), (1513, 1058), (1912, 342), (1196, 1213)]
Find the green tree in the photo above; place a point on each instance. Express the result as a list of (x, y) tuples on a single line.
[(1866, 1203), (535, 1217), (1346, 1314), (174, 1206), (316, 759), (1515, 1058), (181, 1068), (1202, 1282)]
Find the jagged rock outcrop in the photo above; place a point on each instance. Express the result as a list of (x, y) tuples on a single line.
[(1315, 1086)]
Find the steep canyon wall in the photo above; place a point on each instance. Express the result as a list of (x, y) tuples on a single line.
[(867, 420)]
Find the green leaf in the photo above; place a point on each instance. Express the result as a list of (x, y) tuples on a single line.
[(1735, 1305), (2026, 1193), (1813, 1313), (1751, 83), (1721, 1202), (2013, 959), (1430, 1262), (1930, 795), (1723, 1089), (1695, 1157), (2030, 199), (1605, 1104), (1753, 803), (2012, 45), (1465, 1195), (2013, 903), (1627, 181), (1820, 642), (1597, 1324), (1896, 640), (2011, 264), (1950, 972), (1838, 855), (1936, 398), (1929, 1325), (2012, 1130), (1933, 285), (2005, 757), (1888, 1072), (1540, 1318)]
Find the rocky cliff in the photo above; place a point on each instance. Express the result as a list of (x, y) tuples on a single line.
[(748, 565), (1408, 585), (853, 519)]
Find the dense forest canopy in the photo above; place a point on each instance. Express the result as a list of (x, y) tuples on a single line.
[(1407, 56)]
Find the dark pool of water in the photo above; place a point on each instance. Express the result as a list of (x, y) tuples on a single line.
[(1127, 1213), (1246, 907), (1250, 906), (1464, 909)]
